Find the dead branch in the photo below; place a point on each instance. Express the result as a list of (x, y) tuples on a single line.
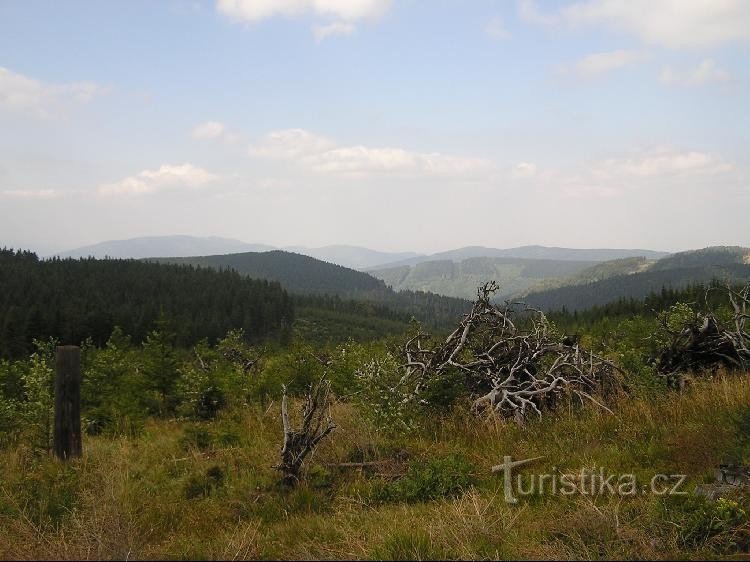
[(511, 370), (704, 343), (316, 425)]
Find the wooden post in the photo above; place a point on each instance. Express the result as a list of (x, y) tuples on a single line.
[(67, 433)]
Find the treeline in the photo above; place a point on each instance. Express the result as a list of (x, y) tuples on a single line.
[(701, 296), (72, 300)]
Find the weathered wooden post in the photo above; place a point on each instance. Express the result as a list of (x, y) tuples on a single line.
[(67, 432)]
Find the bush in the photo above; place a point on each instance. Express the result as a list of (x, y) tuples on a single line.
[(429, 480), (382, 397), (702, 523)]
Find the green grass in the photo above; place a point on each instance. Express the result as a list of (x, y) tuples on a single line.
[(209, 489)]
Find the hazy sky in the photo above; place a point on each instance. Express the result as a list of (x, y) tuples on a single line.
[(398, 125)]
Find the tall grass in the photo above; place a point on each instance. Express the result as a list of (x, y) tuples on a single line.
[(209, 489)]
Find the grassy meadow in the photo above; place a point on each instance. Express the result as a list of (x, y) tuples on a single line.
[(185, 489)]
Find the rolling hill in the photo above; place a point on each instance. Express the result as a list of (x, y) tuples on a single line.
[(677, 271), (303, 275), (461, 279)]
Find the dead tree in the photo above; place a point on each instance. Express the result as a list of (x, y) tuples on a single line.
[(509, 369), (703, 343), (316, 425)]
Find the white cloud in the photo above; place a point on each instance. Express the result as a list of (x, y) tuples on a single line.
[(344, 13), (643, 171), (183, 176), (291, 144), (600, 63), (662, 162), (705, 73), (21, 95), (209, 130), (334, 28), (671, 23), (496, 29), (31, 193), (215, 130), (524, 170), (321, 154)]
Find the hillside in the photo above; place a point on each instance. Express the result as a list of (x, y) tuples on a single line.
[(597, 272), (461, 279), (680, 270), (303, 275), (711, 256)]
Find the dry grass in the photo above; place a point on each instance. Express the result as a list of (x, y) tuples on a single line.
[(129, 498)]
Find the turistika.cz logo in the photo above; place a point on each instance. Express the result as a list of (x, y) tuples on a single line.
[(587, 482)]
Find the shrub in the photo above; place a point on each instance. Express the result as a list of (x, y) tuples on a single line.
[(703, 523), (428, 480), (382, 397)]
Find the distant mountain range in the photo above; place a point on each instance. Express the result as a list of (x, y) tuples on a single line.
[(354, 257), (437, 285), (150, 246), (531, 253)]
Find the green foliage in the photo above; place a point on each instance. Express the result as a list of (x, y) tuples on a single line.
[(72, 300), (160, 368), (199, 387), (37, 409), (444, 477), (383, 397), (705, 523), (9, 415), (114, 398)]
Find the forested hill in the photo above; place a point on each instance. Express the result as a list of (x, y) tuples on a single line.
[(303, 275), (634, 286), (297, 273), (76, 299)]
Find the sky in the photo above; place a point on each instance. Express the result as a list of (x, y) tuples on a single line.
[(400, 125)]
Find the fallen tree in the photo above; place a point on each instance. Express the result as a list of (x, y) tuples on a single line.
[(702, 342), (513, 360)]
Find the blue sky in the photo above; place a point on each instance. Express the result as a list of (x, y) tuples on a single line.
[(399, 125)]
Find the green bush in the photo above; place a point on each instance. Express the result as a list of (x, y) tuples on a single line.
[(444, 477), (382, 396), (703, 523)]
